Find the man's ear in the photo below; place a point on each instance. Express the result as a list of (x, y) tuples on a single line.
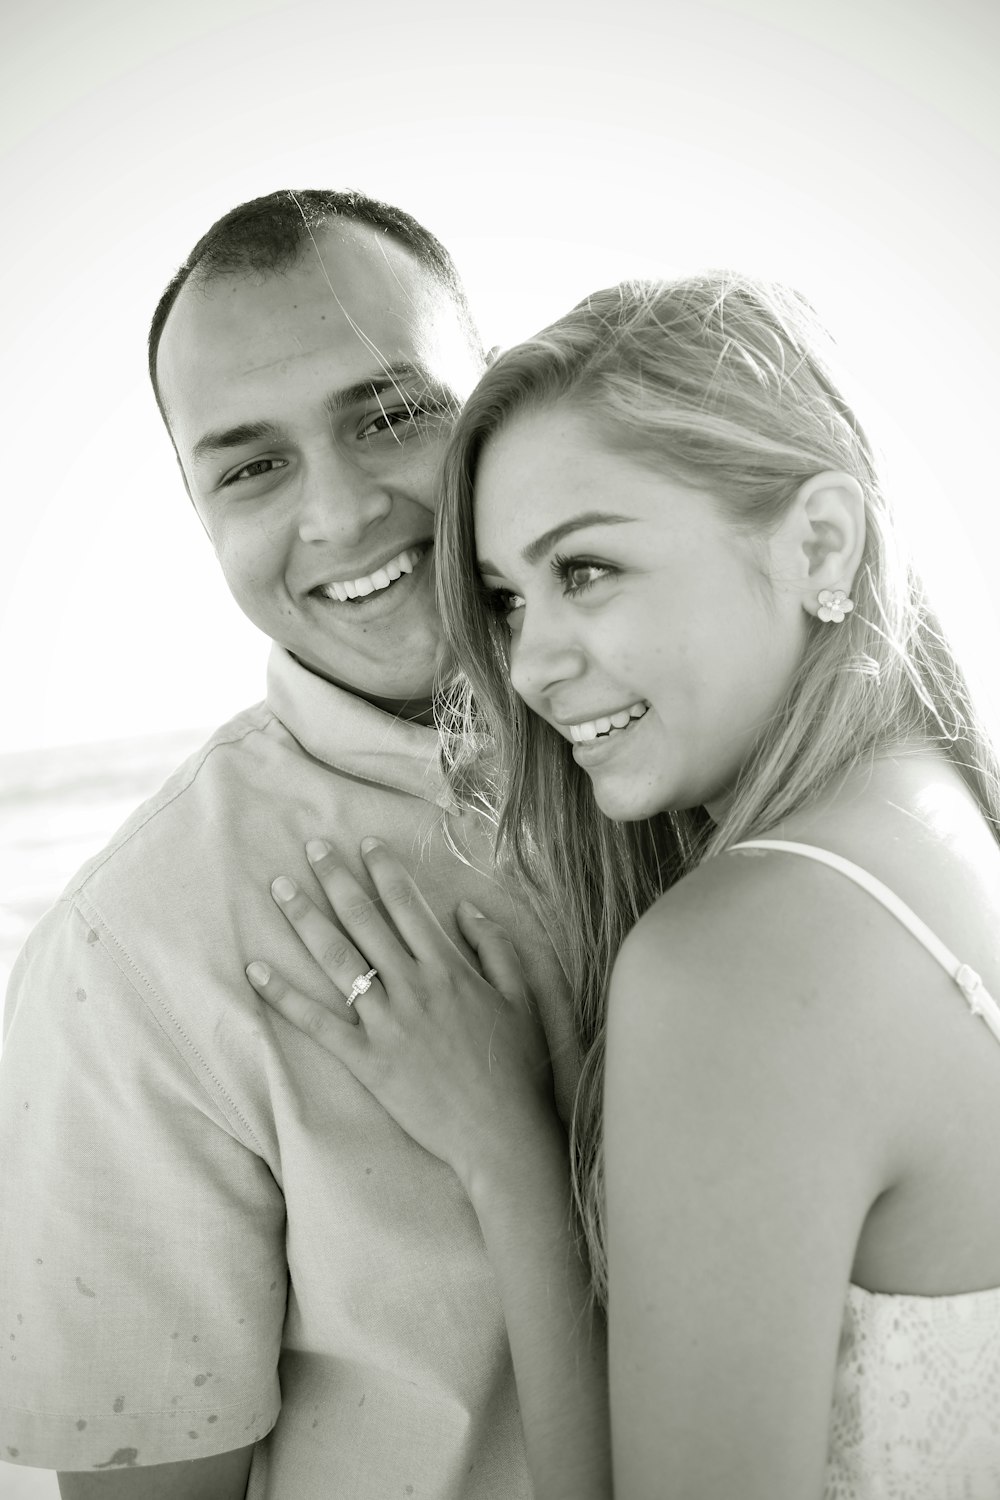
[(827, 526)]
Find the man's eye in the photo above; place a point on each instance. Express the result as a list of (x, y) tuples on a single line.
[(387, 421), (398, 420), (255, 469)]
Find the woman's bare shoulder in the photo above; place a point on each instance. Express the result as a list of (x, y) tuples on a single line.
[(770, 959), (735, 908), (911, 824), (743, 945)]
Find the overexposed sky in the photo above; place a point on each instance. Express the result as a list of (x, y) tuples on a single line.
[(851, 146)]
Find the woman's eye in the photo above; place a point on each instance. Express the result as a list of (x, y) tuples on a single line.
[(577, 575), (503, 603), (256, 469)]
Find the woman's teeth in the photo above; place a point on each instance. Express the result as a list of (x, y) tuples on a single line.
[(581, 733), (357, 588)]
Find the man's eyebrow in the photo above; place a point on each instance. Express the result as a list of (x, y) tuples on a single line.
[(537, 549), (337, 401), (234, 437), (388, 379)]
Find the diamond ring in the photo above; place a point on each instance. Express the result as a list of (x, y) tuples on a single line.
[(361, 986)]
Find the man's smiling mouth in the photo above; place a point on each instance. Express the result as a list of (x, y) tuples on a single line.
[(345, 590)]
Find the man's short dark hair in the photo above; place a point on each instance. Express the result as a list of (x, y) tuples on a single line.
[(268, 235)]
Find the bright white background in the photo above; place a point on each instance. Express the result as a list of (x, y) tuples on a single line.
[(851, 146)]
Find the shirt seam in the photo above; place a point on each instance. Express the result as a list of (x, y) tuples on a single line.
[(127, 967), (92, 869), (437, 799), (260, 1398), (392, 786)]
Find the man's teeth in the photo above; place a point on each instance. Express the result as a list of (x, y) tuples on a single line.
[(357, 588), (581, 733)]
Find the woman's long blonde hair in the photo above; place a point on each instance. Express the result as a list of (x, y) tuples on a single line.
[(725, 384)]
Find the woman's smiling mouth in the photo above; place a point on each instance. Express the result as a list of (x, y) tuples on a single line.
[(592, 729)]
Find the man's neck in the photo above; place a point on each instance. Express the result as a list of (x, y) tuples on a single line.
[(416, 709)]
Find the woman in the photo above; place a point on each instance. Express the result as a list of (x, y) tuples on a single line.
[(670, 573)]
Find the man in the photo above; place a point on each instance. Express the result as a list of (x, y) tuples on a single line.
[(220, 1258)]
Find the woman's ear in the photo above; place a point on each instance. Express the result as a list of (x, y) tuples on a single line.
[(827, 520)]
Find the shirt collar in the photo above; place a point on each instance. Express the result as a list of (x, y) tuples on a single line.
[(353, 736)]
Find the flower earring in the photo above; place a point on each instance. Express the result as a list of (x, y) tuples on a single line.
[(834, 604)]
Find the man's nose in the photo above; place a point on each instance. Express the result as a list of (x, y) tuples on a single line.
[(544, 652), (338, 500)]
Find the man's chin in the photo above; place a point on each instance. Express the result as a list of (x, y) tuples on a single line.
[(367, 680), (356, 680)]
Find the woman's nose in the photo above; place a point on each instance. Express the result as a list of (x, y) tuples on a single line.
[(544, 652)]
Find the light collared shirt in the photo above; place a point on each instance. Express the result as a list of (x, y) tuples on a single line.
[(211, 1234)]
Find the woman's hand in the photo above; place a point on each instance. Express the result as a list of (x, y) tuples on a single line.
[(460, 1061)]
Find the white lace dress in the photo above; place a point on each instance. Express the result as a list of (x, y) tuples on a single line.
[(916, 1406)]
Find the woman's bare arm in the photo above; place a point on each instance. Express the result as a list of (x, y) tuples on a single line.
[(461, 1062), (741, 1160), (557, 1335)]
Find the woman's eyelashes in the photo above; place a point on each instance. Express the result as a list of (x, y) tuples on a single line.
[(576, 574), (502, 602)]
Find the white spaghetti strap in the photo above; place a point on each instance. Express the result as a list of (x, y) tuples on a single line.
[(979, 1000)]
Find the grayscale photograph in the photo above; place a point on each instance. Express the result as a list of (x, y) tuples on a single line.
[(500, 750)]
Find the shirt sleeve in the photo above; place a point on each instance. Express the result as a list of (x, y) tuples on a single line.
[(142, 1262)]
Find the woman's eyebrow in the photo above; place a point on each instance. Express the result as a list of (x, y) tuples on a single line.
[(537, 549)]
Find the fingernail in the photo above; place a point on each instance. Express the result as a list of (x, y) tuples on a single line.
[(283, 888), (258, 973), (316, 849), (472, 910), (368, 844)]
